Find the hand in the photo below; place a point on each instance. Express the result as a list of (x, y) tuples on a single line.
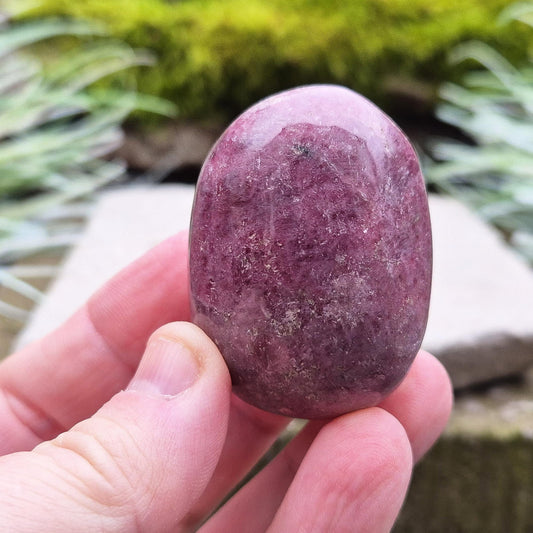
[(122, 441)]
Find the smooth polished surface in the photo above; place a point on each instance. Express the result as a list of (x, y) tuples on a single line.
[(311, 252)]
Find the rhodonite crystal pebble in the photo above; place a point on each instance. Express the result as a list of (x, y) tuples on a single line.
[(310, 252)]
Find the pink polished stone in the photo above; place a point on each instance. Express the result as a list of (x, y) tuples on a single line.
[(310, 252)]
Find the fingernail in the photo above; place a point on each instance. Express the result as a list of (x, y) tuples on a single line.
[(167, 367)]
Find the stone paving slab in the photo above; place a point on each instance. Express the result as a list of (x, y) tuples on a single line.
[(481, 315), (480, 325), (478, 476), (124, 225)]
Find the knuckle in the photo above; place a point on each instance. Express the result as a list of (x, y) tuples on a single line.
[(106, 468)]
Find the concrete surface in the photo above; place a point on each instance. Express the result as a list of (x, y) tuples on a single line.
[(480, 325)]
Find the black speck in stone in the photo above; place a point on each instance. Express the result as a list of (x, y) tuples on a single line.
[(302, 149)]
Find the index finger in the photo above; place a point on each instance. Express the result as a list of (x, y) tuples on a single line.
[(53, 383)]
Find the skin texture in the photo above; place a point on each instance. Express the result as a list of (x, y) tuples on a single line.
[(108, 425), (311, 253)]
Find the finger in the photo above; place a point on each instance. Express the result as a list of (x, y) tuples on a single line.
[(422, 403), (353, 478), (251, 432), (52, 384), (256, 504), (142, 460), (325, 481)]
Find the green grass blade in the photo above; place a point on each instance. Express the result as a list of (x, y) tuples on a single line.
[(17, 285), (32, 32)]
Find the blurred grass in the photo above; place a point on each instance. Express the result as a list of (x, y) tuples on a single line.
[(56, 133), (493, 107)]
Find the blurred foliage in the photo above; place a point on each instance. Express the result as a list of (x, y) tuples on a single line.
[(54, 135), (217, 57), (493, 107)]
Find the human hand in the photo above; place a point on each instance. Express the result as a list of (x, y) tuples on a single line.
[(122, 441)]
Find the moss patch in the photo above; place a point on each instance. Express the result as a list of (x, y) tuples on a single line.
[(216, 58), (478, 478), (472, 485)]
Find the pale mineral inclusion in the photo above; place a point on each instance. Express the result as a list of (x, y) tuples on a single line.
[(310, 252)]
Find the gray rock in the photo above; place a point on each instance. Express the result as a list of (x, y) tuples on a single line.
[(124, 225), (481, 318), (480, 325)]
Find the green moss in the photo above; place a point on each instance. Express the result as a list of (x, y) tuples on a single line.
[(472, 485), (218, 57), (478, 477)]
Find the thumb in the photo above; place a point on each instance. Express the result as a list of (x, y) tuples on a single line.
[(142, 460)]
